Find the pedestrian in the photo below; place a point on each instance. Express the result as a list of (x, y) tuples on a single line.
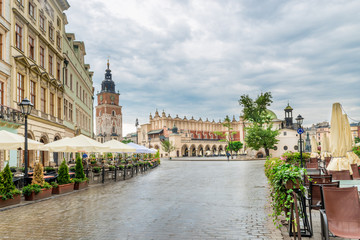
[(227, 155)]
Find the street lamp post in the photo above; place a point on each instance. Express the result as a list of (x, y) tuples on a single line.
[(300, 131), (136, 125), (26, 107), (149, 141)]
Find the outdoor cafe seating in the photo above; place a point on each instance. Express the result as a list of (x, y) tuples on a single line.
[(341, 213)]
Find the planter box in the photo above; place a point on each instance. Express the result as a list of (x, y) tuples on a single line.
[(45, 193), (291, 185), (82, 185), (16, 200), (65, 188)]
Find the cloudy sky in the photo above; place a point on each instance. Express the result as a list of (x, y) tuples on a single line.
[(197, 57)]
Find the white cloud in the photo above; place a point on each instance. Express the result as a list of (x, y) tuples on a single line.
[(198, 57)]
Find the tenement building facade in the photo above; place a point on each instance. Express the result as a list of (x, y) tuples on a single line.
[(37, 60), (108, 111)]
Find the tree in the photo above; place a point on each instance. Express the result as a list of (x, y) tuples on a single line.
[(234, 146), (227, 136), (357, 140), (38, 175), (167, 146), (259, 133), (63, 177), (79, 168), (126, 141)]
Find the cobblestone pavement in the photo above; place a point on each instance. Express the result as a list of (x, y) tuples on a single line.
[(177, 200)]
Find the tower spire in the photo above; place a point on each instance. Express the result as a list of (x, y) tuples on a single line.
[(108, 63)]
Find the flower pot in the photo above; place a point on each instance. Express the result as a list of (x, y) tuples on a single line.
[(8, 202), (82, 185), (65, 188), (291, 185), (44, 193)]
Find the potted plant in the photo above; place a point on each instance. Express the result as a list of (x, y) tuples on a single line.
[(96, 169), (49, 169), (112, 168), (38, 189), (64, 183), (81, 181), (9, 195), (283, 179)]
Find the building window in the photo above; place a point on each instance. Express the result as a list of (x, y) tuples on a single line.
[(59, 108), (77, 89), (66, 77), (42, 57), (42, 22), (43, 99), (65, 108), (51, 32), (83, 96), (70, 112), (58, 40), (284, 133), (31, 10), (18, 35), (20, 2), (285, 148), (275, 148), (31, 48), (20, 87), (71, 82), (296, 147), (80, 93), (1, 93), (1, 46), (58, 66), (52, 104), (58, 22), (113, 113), (50, 65), (113, 129), (33, 92)]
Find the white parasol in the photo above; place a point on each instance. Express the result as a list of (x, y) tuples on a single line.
[(12, 141)]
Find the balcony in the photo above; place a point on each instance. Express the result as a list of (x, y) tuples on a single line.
[(10, 115)]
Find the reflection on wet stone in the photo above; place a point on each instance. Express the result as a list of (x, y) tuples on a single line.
[(177, 200)]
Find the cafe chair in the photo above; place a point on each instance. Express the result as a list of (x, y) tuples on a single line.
[(341, 215)]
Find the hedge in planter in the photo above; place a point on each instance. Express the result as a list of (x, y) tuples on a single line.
[(9, 195), (80, 180), (64, 183), (279, 174), (35, 191)]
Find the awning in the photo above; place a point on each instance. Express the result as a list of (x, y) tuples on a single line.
[(156, 131)]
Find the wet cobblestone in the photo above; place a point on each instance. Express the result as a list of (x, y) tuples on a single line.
[(177, 200)]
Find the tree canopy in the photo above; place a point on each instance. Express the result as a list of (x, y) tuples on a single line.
[(259, 133), (167, 146)]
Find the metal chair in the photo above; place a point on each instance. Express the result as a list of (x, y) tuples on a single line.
[(355, 169), (340, 175), (341, 215)]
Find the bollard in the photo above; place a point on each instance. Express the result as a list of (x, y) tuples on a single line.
[(103, 174), (115, 173), (125, 172)]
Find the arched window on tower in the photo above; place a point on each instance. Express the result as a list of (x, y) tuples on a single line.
[(113, 129), (113, 113), (100, 113)]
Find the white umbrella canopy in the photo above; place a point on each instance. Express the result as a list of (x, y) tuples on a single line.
[(347, 132), (12, 141), (117, 146), (314, 148), (153, 150), (79, 143), (340, 141), (325, 152), (139, 148)]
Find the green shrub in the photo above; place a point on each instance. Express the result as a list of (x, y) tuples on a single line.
[(96, 169), (79, 169), (54, 184), (129, 166), (49, 169), (46, 185), (7, 187), (112, 167), (356, 150), (121, 167), (63, 177), (77, 180), (93, 161), (27, 190), (13, 169)]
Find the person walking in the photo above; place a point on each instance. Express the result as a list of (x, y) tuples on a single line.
[(227, 155)]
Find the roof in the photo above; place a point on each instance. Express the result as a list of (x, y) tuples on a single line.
[(271, 114), (288, 107), (156, 131)]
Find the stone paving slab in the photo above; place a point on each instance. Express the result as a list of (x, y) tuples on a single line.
[(177, 200)]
